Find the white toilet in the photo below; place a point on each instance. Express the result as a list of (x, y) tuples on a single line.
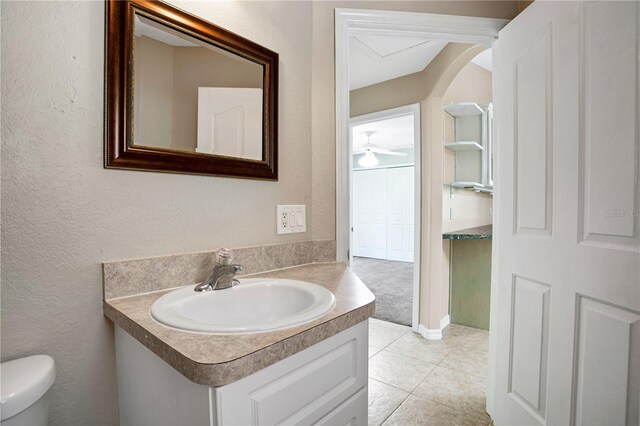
[(24, 385)]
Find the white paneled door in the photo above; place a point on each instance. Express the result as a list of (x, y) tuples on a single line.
[(568, 255), (400, 214), (383, 213), (370, 213)]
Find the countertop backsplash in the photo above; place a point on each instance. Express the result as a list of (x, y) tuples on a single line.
[(137, 276)]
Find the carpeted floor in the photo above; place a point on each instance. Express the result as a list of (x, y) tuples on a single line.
[(392, 284)]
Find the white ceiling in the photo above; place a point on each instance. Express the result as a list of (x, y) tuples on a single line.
[(377, 58), (484, 59), (391, 133)]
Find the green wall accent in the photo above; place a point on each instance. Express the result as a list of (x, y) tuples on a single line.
[(470, 282)]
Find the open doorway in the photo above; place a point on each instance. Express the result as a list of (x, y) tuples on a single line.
[(456, 351), (451, 96), (385, 176), (446, 50)]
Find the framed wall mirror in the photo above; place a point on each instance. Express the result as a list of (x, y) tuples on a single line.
[(186, 96)]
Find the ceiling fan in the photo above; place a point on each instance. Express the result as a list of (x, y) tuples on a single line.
[(369, 159)]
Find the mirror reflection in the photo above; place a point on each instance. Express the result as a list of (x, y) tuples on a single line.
[(193, 97)]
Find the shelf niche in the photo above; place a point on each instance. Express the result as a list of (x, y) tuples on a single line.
[(468, 146)]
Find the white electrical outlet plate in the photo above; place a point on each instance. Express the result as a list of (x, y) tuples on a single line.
[(291, 219)]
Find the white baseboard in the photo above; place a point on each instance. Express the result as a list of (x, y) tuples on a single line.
[(430, 334), (435, 333), (444, 322)]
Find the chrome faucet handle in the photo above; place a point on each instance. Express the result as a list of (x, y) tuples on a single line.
[(223, 257), (223, 274)]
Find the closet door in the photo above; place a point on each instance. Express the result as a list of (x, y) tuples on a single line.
[(370, 213), (400, 214)]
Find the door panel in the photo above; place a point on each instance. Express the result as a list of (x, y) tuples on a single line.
[(370, 213), (568, 273), (533, 138), (610, 92), (400, 184), (607, 335), (534, 61), (530, 344), (383, 213)]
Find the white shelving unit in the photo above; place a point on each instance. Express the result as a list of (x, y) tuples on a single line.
[(470, 146), (464, 109), (463, 146), (484, 190), (488, 142), (465, 185)]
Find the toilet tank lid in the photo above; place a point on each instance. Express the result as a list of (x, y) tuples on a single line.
[(23, 381)]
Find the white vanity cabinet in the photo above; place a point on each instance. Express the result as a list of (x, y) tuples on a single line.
[(323, 384)]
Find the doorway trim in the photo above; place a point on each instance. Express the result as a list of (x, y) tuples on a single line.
[(412, 109), (450, 28)]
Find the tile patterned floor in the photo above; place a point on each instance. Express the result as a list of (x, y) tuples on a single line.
[(414, 381)]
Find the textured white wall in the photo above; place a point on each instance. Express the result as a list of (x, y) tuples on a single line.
[(63, 213)]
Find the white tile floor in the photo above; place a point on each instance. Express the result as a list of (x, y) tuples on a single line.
[(414, 381)]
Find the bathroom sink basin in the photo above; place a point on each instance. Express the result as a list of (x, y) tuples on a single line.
[(254, 305)]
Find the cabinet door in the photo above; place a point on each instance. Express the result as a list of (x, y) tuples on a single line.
[(303, 388)]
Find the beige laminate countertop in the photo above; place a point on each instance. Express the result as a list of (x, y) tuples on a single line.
[(217, 360)]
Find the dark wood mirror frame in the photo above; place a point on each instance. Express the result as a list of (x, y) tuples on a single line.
[(120, 150)]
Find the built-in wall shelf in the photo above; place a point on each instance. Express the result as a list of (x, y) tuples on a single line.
[(464, 109), (484, 190), (471, 146), (462, 146), (474, 186), (464, 184)]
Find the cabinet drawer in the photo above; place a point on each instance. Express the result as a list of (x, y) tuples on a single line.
[(352, 413), (301, 389)]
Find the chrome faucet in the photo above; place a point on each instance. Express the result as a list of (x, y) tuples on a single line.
[(223, 275)]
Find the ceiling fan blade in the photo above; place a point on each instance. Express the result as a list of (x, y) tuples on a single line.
[(369, 147), (383, 151)]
